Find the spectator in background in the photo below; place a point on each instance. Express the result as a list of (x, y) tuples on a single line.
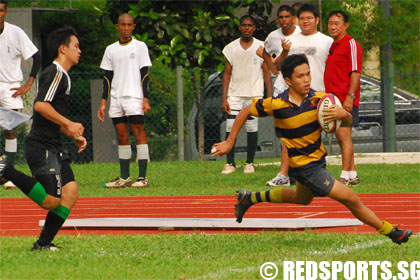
[(342, 77), (14, 45), (296, 6), (315, 46), (272, 48), (243, 79), (126, 64)]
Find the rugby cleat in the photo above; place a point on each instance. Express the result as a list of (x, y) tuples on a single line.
[(244, 202), (354, 182), (400, 235), (279, 180), (140, 183), (118, 183), (49, 247)]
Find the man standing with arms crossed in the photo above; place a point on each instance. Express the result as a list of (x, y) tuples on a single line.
[(126, 81), (244, 77), (342, 77), (14, 45), (315, 46)]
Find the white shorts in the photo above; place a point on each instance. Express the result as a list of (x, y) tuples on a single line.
[(125, 106), (6, 99), (236, 104)]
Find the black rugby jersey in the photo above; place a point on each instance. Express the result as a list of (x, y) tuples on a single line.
[(54, 87), (296, 126)]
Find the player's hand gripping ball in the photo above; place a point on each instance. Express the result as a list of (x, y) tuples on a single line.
[(213, 150), (327, 101)]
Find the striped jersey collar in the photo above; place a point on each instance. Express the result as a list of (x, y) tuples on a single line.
[(126, 43), (285, 95)]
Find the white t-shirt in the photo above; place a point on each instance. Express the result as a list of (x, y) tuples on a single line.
[(126, 60), (272, 43), (316, 48), (14, 44), (247, 76)]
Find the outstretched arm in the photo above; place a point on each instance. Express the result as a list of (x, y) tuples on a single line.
[(225, 146)]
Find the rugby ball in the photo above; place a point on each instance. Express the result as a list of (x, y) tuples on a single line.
[(325, 102)]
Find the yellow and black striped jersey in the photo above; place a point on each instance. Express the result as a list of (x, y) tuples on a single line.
[(296, 126)]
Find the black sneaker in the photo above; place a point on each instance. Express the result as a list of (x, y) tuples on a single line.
[(244, 202), (354, 182), (4, 161), (400, 235), (49, 247)]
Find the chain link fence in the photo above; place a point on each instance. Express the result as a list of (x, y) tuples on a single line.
[(204, 88)]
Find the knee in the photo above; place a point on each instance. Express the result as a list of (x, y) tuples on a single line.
[(123, 139), (10, 134), (50, 202), (352, 201), (306, 200)]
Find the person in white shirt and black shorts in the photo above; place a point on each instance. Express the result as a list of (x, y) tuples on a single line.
[(126, 80)]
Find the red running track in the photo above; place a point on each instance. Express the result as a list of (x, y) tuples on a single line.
[(20, 216)]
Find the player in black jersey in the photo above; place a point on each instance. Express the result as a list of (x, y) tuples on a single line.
[(53, 186)]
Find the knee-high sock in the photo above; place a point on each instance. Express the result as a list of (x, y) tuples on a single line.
[(230, 157), (11, 149), (53, 222), (142, 158), (252, 141), (124, 154), (28, 185), (267, 196)]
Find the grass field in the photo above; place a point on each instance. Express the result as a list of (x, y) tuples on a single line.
[(201, 256)]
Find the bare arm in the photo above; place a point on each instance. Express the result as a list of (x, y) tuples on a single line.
[(354, 84), (225, 146), (68, 127), (267, 79), (286, 45), (268, 59), (226, 81)]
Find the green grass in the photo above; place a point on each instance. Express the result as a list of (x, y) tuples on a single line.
[(193, 256), (201, 256)]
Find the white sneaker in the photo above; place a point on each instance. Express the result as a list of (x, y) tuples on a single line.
[(9, 185), (279, 180), (249, 168), (118, 183), (228, 168), (140, 183)]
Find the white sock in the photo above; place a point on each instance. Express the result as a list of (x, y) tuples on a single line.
[(11, 145), (345, 174), (143, 152), (124, 151), (352, 174)]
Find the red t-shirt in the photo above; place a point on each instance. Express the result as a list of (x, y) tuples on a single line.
[(345, 57)]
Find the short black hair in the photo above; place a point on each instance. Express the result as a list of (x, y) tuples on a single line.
[(125, 15), (296, 6), (247, 17), (286, 8), (338, 13), (5, 3), (308, 8), (291, 62), (59, 37)]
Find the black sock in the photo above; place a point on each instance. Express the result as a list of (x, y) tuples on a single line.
[(52, 225), (230, 157), (252, 142), (24, 182)]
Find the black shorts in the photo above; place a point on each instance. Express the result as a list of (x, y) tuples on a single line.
[(355, 115), (134, 119), (315, 178), (51, 169)]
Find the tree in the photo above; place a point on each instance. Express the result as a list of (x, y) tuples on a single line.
[(192, 34)]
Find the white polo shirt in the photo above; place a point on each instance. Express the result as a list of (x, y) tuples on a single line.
[(126, 60), (14, 44), (247, 77)]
